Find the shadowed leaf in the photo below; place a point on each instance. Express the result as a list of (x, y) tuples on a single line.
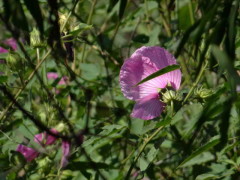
[(159, 73), (34, 8), (200, 150), (123, 4)]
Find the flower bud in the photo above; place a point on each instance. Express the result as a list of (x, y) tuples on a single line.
[(44, 165), (65, 23), (60, 127), (171, 95), (35, 39), (203, 93), (14, 61), (17, 158)]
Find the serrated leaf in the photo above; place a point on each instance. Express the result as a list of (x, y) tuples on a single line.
[(200, 150), (159, 73)]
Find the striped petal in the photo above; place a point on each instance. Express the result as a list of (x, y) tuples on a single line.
[(148, 107)]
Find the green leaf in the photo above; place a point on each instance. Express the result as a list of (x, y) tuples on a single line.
[(34, 8), (141, 38), (185, 15), (14, 12), (200, 159), (80, 28), (202, 149), (159, 73), (123, 4), (225, 63), (88, 165), (3, 79), (206, 176)]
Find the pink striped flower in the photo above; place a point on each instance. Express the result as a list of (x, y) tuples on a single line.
[(28, 153), (65, 153), (143, 62), (11, 42), (45, 138), (53, 76)]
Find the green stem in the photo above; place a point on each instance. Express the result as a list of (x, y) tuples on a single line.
[(25, 85), (141, 150), (88, 22), (34, 71), (195, 83), (38, 55)]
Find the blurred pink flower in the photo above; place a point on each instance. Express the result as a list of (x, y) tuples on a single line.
[(45, 139), (63, 80), (53, 75), (27, 152), (143, 62), (65, 152), (11, 42)]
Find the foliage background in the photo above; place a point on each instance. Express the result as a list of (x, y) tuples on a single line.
[(200, 141)]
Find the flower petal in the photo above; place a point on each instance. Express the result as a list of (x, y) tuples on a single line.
[(11, 42), (148, 107), (27, 152), (65, 151), (52, 75), (44, 138), (133, 71), (161, 58)]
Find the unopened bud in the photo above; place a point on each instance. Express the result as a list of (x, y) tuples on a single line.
[(44, 165), (35, 39), (203, 93), (171, 95), (60, 127), (17, 158), (14, 61), (65, 23)]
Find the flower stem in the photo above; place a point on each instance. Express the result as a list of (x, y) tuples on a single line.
[(24, 86), (88, 22), (195, 83), (142, 149)]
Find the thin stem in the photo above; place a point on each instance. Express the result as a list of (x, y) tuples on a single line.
[(142, 149), (69, 14), (88, 22), (38, 55), (25, 85), (195, 83)]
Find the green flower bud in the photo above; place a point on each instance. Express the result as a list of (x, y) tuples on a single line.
[(45, 165), (171, 95), (35, 39), (203, 93), (17, 158), (65, 23), (60, 127), (14, 61)]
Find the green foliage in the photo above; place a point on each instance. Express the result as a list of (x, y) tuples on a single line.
[(87, 42)]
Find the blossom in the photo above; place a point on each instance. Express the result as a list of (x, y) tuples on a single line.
[(144, 62), (65, 153), (45, 139), (53, 76), (27, 152), (11, 42)]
